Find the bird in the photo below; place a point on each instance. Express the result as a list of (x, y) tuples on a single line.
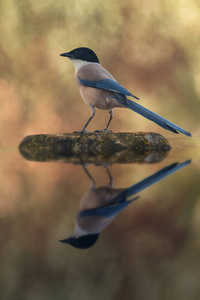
[(99, 89), (99, 206)]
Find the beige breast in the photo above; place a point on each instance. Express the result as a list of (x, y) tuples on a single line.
[(99, 98)]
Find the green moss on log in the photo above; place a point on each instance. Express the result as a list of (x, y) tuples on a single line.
[(96, 148)]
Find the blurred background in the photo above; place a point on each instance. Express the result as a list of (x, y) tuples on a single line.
[(151, 251), (153, 51)]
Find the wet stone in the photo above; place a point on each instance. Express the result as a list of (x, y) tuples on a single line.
[(96, 148)]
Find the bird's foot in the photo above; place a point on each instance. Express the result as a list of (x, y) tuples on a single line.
[(82, 131), (103, 131)]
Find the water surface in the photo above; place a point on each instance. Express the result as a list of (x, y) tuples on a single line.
[(150, 246)]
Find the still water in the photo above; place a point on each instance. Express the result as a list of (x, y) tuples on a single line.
[(128, 231)]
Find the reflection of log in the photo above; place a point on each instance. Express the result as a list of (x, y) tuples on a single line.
[(97, 148)]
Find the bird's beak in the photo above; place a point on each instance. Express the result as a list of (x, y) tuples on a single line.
[(67, 54)]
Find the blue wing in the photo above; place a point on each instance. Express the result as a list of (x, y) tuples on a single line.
[(106, 211), (108, 85)]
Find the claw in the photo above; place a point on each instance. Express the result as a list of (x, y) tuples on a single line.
[(103, 131), (82, 131)]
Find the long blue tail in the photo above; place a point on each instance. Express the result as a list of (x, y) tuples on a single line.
[(155, 118), (145, 183)]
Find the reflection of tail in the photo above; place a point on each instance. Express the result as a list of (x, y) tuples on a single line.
[(155, 118), (155, 178)]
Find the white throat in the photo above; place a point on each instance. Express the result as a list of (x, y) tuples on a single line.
[(78, 63), (78, 231)]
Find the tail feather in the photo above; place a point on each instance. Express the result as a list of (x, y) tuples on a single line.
[(145, 183), (148, 114)]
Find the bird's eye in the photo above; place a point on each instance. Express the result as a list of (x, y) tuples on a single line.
[(78, 52)]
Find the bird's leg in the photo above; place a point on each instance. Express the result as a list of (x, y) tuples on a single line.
[(92, 110), (110, 177), (90, 177), (106, 128), (111, 116)]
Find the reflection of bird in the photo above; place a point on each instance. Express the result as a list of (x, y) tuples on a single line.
[(100, 206), (98, 88)]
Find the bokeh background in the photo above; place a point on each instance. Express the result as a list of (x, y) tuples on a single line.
[(151, 251), (153, 50)]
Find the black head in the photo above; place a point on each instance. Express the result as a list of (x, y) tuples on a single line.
[(82, 53), (82, 242)]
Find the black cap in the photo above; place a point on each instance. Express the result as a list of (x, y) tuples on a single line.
[(82, 53), (82, 242)]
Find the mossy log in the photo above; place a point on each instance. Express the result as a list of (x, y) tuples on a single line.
[(96, 148)]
